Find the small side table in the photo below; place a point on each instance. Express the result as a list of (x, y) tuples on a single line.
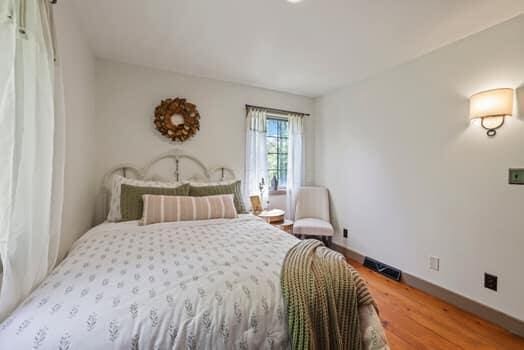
[(275, 217), (286, 226)]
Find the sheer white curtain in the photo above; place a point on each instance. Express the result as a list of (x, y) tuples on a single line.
[(256, 155), (295, 161), (28, 228)]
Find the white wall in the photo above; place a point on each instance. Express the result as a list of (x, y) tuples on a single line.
[(78, 68), (127, 95), (411, 177)]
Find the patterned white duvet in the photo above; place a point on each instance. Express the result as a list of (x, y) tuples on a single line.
[(211, 284)]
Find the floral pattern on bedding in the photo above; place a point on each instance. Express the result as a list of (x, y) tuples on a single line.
[(194, 285)]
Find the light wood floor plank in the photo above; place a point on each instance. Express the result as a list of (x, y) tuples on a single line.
[(416, 320)]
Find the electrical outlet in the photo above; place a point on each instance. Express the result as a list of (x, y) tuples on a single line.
[(434, 263), (490, 281), (516, 176), (345, 232)]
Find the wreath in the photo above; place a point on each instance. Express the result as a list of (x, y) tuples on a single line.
[(165, 123)]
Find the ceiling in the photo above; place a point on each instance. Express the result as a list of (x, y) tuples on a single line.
[(309, 48)]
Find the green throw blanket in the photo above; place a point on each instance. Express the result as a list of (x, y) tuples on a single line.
[(322, 293)]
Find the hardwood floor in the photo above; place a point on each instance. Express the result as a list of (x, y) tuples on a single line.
[(416, 320)]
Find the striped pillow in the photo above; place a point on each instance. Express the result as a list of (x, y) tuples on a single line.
[(181, 208)]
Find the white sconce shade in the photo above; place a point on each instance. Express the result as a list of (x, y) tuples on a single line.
[(492, 106), (491, 103)]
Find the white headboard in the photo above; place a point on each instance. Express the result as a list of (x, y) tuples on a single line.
[(171, 166)]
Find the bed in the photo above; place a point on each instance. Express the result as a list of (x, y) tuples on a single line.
[(208, 284)]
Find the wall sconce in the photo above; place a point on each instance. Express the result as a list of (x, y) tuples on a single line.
[(492, 107)]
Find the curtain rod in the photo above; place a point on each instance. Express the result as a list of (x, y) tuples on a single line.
[(276, 110)]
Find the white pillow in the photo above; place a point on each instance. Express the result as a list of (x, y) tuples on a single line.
[(115, 214)]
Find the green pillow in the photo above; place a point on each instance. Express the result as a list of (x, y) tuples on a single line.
[(211, 190), (132, 205)]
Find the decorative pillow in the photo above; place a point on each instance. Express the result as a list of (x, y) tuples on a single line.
[(132, 205), (210, 189), (114, 214), (179, 208)]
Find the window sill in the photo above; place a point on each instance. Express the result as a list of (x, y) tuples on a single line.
[(279, 192)]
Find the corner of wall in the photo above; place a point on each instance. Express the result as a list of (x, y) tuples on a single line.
[(77, 63)]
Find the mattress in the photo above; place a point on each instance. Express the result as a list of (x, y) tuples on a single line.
[(212, 284)]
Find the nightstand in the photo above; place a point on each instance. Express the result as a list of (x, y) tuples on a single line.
[(275, 217), (286, 226)]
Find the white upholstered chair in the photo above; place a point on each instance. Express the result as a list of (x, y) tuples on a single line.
[(312, 213)]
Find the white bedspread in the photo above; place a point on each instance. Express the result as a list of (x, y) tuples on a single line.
[(196, 285), (211, 284)]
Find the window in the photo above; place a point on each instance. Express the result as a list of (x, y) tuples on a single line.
[(276, 140)]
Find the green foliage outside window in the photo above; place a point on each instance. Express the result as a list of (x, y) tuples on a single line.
[(277, 146)]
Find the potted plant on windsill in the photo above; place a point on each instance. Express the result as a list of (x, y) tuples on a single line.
[(274, 183)]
